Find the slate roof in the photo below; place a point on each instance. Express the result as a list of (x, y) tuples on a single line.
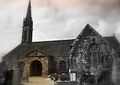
[(52, 48), (114, 43)]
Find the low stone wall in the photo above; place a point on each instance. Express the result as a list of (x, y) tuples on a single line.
[(65, 83)]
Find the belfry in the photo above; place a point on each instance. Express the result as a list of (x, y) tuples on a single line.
[(27, 26)]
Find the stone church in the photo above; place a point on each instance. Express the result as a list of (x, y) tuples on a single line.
[(88, 52)]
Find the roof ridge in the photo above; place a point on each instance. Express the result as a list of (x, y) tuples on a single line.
[(54, 41)]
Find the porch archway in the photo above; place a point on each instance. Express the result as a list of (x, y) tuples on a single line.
[(36, 68)]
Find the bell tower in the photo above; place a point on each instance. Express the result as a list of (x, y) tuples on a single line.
[(27, 26)]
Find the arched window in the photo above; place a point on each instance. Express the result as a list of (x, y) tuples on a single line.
[(99, 58), (102, 59), (62, 66), (89, 58), (93, 53), (95, 58)]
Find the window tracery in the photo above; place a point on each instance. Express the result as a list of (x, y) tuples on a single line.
[(62, 66)]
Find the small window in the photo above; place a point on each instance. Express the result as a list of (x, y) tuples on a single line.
[(62, 66), (70, 46), (102, 59)]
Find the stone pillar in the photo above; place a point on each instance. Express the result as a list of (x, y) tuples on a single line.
[(44, 67), (16, 77), (25, 76)]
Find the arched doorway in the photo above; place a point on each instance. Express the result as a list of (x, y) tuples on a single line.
[(36, 68)]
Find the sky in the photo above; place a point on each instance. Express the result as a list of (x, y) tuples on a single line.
[(57, 19)]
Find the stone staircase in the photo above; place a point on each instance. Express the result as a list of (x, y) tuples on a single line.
[(39, 81)]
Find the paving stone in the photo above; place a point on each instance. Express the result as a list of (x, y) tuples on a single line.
[(39, 81)]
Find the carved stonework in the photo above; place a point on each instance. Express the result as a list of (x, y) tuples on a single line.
[(36, 53), (35, 56)]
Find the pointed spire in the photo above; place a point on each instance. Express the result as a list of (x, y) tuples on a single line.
[(28, 15), (27, 26)]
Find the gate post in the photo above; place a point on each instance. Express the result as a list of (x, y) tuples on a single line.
[(16, 77), (25, 76)]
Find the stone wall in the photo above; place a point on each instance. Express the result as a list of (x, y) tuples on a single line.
[(59, 60), (90, 53)]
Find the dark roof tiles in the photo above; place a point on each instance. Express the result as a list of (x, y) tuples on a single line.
[(114, 43), (52, 48)]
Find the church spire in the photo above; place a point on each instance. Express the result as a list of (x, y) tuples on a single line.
[(28, 15), (27, 26)]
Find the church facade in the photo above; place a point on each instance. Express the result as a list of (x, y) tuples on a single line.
[(89, 52)]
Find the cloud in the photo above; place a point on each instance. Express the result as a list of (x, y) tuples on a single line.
[(118, 28), (102, 27), (56, 19)]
